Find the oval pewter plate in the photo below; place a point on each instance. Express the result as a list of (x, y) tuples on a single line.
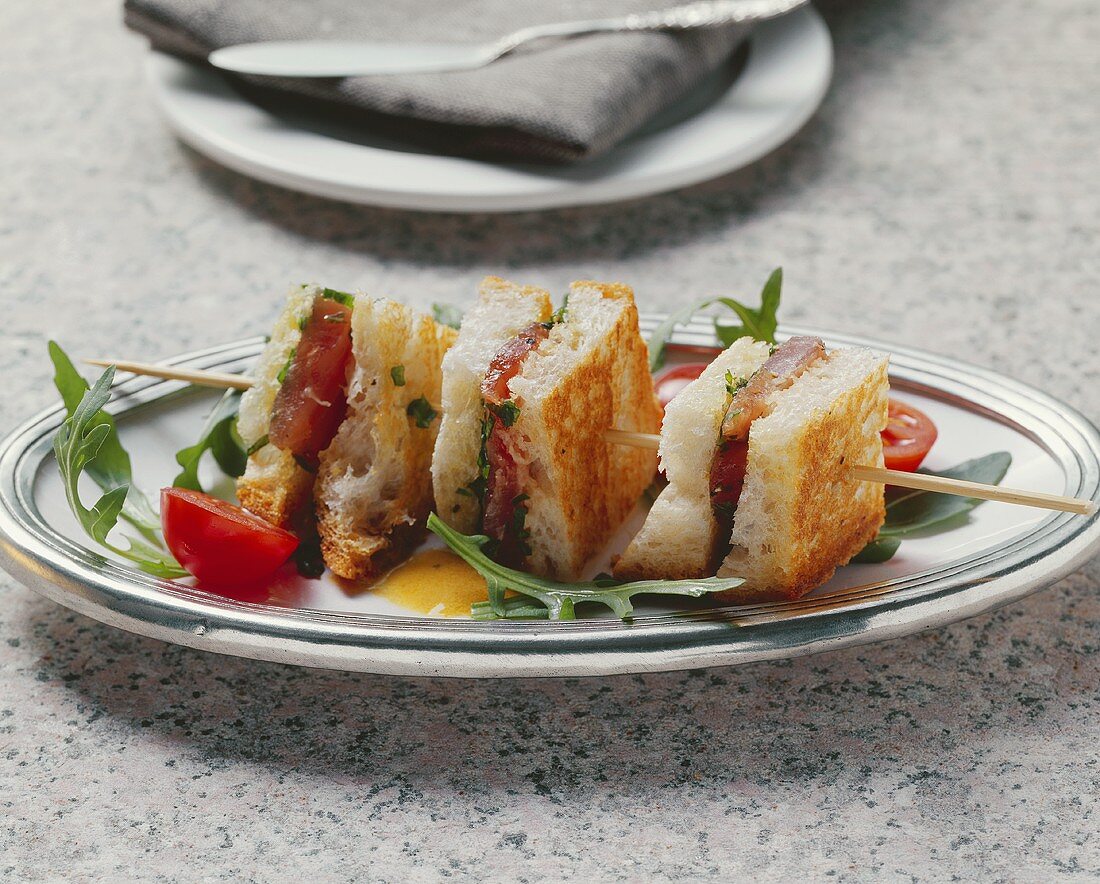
[(999, 554)]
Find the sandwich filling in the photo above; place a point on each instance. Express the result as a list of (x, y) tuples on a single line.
[(504, 466), (312, 399), (749, 401)]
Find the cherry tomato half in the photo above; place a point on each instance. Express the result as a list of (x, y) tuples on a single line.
[(908, 435), (674, 378), (219, 543)]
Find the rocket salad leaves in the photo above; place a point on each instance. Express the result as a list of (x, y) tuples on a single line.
[(759, 323), (553, 599), (87, 442)]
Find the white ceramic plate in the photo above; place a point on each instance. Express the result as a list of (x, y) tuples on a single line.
[(785, 78), (998, 554)]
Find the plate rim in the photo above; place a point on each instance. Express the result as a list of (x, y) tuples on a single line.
[(79, 578), (768, 38)]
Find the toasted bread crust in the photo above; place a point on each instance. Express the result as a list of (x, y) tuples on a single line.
[(274, 487), (590, 486), (820, 517), (373, 491), (663, 549)]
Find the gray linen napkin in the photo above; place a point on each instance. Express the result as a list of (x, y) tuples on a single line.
[(571, 101)]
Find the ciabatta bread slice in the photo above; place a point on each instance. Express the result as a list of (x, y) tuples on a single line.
[(679, 539), (273, 486), (590, 374), (373, 490), (502, 311), (800, 514)]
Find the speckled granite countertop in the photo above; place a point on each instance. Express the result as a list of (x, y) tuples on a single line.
[(945, 195)]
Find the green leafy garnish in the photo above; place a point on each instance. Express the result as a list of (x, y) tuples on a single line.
[(447, 314), (558, 600), (110, 468), (219, 437), (285, 370), (881, 549), (344, 298), (734, 384), (422, 412), (759, 323), (559, 314), (476, 489), (397, 374), (909, 511), (507, 411), (88, 442), (257, 445)]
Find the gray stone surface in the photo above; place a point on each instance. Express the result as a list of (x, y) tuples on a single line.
[(946, 195)]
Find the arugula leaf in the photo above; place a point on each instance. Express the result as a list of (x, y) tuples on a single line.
[(111, 466), (447, 314), (759, 323), (397, 375), (421, 411), (219, 437), (559, 599), (910, 511), (881, 549), (79, 443)]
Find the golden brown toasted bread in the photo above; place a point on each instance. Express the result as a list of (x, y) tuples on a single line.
[(589, 375), (801, 515), (273, 486), (679, 539), (373, 490)]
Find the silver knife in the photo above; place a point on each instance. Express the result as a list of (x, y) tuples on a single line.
[(356, 58)]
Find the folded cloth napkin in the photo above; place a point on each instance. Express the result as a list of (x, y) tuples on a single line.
[(569, 101)]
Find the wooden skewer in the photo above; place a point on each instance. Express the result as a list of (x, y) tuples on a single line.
[(922, 482), (917, 481), (173, 373)]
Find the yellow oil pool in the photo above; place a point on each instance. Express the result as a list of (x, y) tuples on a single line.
[(434, 581)]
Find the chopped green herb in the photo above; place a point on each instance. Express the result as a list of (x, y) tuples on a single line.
[(285, 370), (759, 323), (734, 384), (507, 411), (258, 444), (422, 412), (447, 314), (558, 600), (339, 297), (559, 314), (397, 374), (519, 523), (219, 437), (480, 483)]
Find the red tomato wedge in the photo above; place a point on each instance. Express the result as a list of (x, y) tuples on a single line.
[(311, 401), (673, 379), (908, 436), (221, 544)]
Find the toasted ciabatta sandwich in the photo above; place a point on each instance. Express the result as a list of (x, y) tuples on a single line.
[(527, 398), (757, 453), (340, 424)]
